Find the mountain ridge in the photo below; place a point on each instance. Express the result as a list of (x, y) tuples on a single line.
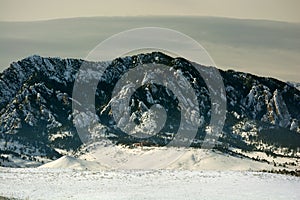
[(36, 97)]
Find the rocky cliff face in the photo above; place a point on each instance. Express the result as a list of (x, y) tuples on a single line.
[(37, 123)]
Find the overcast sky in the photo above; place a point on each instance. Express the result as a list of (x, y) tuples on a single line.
[(28, 10)]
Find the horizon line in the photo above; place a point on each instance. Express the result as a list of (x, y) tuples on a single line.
[(137, 16)]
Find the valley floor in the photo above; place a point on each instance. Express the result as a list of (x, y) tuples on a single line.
[(43, 183)]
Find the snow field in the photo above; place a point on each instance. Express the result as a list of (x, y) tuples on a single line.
[(38, 183)]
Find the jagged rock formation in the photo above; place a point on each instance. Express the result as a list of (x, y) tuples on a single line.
[(37, 124)]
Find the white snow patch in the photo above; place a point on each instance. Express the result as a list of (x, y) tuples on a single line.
[(68, 162)]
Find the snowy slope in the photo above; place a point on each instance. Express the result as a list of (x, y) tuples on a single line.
[(139, 184), (199, 159), (121, 157), (153, 158), (105, 155), (73, 163)]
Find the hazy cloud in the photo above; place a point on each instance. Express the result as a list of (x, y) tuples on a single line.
[(27, 10)]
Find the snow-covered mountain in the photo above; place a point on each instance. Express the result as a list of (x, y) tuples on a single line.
[(37, 124)]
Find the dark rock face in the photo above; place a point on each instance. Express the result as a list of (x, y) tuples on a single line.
[(37, 124)]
